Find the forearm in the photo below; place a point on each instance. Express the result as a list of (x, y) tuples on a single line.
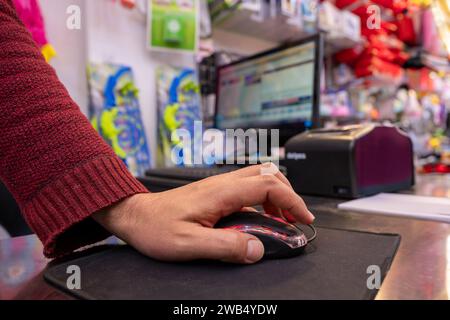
[(53, 162)]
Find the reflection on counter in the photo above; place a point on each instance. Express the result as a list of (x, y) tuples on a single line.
[(433, 185)]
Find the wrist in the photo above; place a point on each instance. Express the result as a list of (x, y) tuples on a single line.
[(118, 218)]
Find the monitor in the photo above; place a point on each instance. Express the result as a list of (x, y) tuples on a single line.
[(276, 89)]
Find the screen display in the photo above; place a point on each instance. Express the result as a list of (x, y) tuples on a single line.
[(269, 90)]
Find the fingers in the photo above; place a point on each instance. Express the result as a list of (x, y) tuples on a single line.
[(266, 169), (289, 217), (226, 245), (272, 210), (262, 189), (262, 169)]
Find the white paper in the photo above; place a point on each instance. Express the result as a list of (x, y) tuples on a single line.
[(403, 205)]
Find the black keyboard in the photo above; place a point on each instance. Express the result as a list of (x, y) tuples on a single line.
[(190, 173)]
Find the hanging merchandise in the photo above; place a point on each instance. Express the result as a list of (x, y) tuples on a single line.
[(253, 5), (405, 29), (115, 113), (441, 13), (342, 74), (329, 17), (292, 9), (130, 4), (289, 7), (206, 43), (340, 25), (205, 20), (397, 6), (309, 14), (336, 104), (173, 25), (178, 110), (139, 6), (260, 8), (30, 14)]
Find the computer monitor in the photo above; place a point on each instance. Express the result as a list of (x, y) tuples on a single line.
[(276, 89)]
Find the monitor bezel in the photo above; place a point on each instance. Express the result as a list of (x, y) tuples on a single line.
[(318, 39)]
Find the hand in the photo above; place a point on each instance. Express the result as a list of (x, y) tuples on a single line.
[(177, 225)]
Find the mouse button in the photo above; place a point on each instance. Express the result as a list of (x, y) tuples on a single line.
[(294, 241), (257, 219), (278, 219), (285, 228)]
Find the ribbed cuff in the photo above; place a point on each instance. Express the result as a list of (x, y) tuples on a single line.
[(60, 213)]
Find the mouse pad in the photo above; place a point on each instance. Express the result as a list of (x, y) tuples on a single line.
[(332, 267)]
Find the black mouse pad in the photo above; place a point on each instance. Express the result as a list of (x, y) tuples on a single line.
[(335, 266)]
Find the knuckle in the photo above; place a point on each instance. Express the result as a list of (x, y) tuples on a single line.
[(269, 180), (237, 249), (180, 238)]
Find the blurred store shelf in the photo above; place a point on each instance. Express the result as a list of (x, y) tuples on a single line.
[(275, 30), (376, 81), (246, 22), (334, 45)]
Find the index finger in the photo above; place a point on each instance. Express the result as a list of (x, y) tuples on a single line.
[(255, 190), (262, 169)]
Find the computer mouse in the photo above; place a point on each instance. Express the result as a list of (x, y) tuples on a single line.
[(280, 238)]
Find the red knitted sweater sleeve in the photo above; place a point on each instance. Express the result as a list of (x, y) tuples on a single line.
[(54, 163)]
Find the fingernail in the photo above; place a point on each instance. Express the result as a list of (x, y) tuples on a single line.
[(312, 216), (255, 251)]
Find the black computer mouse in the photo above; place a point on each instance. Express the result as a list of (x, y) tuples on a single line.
[(280, 238)]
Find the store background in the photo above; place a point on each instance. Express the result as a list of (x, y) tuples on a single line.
[(112, 33)]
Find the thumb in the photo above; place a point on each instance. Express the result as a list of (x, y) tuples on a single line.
[(228, 245)]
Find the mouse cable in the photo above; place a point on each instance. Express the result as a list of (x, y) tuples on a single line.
[(313, 237)]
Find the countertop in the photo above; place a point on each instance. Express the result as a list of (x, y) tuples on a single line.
[(421, 268)]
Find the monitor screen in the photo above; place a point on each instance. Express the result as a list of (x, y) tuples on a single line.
[(268, 90)]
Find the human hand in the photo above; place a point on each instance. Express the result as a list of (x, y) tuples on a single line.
[(177, 225)]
